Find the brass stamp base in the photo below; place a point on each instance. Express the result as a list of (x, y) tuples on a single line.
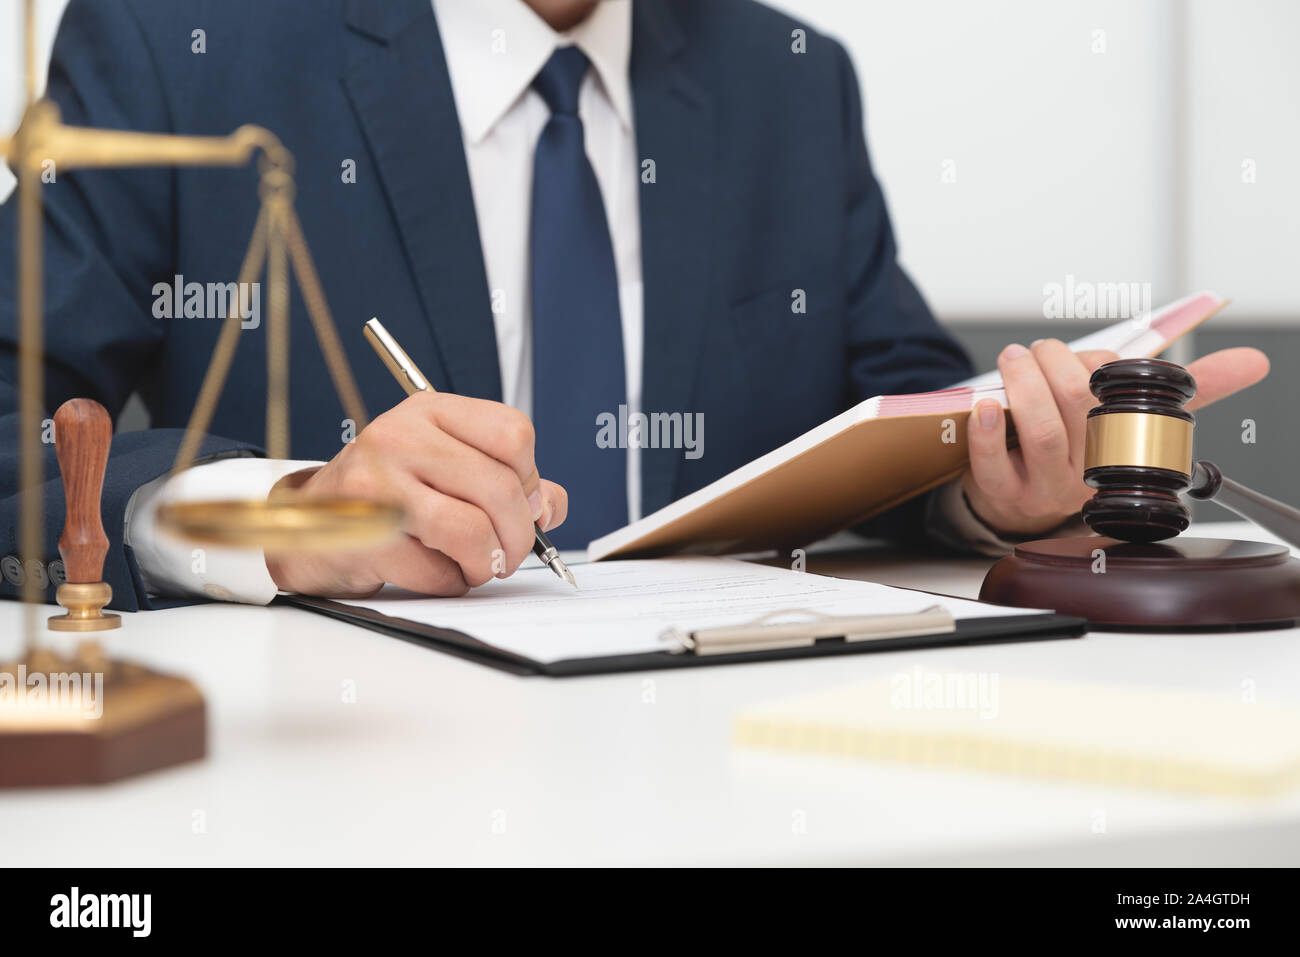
[(84, 603)]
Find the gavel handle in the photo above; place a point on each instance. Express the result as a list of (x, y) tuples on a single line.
[(1210, 484)]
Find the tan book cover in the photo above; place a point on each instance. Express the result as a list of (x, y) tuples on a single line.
[(863, 462)]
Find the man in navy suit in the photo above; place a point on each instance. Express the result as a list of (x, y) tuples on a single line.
[(559, 208)]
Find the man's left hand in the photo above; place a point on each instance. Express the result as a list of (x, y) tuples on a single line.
[(1037, 486)]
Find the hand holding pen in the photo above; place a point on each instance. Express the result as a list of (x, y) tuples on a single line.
[(408, 375), (463, 473)]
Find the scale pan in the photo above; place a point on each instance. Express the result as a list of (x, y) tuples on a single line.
[(284, 523)]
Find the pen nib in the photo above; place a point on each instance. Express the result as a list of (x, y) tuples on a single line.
[(561, 569)]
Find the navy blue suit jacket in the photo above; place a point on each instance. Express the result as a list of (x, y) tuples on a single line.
[(762, 186)]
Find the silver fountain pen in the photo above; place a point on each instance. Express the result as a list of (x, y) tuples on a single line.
[(412, 380)]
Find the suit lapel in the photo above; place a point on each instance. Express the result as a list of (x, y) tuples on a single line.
[(673, 128), (400, 88)]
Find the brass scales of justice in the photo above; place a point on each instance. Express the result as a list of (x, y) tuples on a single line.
[(149, 720)]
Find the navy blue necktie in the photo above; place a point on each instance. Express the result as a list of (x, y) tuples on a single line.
[(577, 330)]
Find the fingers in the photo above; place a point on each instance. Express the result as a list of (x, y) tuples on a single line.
[(408, 564), (1039, 484), (1217, 375), (1092, 359), (463, 556), (497, 430), (1067, 377), (462, 472), (1222, 373), (477, 460), (361, 573), (461, 531), (1043, 437), (463, 534), (556, 501), (991, 465)]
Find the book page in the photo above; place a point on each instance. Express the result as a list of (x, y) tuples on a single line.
[(623, 608), (1141, 337)]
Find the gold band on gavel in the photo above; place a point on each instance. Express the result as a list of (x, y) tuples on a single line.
[(1139, 439)]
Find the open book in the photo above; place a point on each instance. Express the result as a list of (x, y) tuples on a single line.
[(863, 462)]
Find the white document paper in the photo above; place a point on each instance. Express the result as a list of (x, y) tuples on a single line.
[(624, 607)]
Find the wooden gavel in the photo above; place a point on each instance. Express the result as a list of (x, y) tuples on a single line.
[(82, 434), (1138, 457)]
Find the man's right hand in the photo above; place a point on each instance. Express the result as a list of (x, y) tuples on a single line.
[(461, 470)]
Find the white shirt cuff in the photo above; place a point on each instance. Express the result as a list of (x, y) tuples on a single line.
[(171, 567)]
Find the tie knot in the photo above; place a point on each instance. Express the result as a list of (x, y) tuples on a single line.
[(560, 79)]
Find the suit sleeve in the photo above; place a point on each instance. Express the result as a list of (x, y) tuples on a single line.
[(952, 523), (895, 345), (108, 236)]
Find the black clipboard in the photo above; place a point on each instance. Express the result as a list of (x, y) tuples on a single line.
[(969, 631)]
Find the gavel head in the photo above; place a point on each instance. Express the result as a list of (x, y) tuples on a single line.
[(1139, 450)]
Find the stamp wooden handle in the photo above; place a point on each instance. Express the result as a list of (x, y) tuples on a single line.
[(82, 433)]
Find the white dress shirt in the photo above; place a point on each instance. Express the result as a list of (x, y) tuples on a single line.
[(494, 48)]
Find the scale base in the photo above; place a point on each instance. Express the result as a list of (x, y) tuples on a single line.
[(58, 732), (1183, 584)]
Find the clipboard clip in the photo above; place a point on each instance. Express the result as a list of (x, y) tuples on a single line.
[(776, 630)]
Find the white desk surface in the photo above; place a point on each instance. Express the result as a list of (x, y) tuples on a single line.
[(442, 761)]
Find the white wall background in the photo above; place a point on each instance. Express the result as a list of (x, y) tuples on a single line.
[(1117, 166), (1244, 95), (12, 70)]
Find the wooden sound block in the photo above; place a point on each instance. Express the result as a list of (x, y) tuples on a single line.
[(147, 721), (1184, 583)]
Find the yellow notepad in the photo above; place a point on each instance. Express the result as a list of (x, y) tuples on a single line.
[(1104, 734)]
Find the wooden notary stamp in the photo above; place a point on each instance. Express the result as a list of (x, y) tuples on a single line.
[(84, 718)]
